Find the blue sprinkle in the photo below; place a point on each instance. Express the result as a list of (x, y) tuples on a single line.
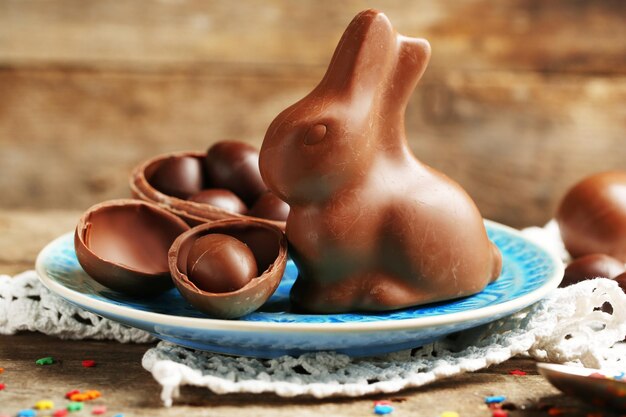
[(619, 376), (495, 399), (26, 413), (119, 415), (383, 409)]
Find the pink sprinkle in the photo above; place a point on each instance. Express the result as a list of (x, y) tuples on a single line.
[(99, 409), (89, 363), (382, 402), (60, 413), (70, 393), (2, 386)]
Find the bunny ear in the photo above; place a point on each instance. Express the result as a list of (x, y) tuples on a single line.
[(412, 58), (364, 56)]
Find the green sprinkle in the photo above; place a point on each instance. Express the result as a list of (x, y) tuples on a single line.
[(74, 406), (45, 361)]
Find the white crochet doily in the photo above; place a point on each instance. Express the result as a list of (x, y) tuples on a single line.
[(569, 326)]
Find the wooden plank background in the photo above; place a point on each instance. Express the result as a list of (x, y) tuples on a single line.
[(522, 98)]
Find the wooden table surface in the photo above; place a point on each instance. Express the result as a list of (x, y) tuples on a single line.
[(127, 388)]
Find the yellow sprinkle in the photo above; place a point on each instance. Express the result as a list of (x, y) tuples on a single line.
[(449, 414), (44, 405)]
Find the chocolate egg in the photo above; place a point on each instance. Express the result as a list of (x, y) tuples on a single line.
[(220, 263), (219, 197), (268, 206), (621, 281), (592, 266), (178, 176), (592, 216), (235, 166), (192, 212), (123, 244), (267, 243)]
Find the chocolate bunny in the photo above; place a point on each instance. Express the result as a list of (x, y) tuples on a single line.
[(371, 228)]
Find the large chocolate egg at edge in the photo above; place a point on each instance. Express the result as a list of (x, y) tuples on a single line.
[(123, 245), (592, 216), (269, 247), (193, 213)]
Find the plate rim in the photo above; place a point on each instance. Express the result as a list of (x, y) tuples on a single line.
[(208, 323)]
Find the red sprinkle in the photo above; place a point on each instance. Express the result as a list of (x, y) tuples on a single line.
[(69, 394), (517, 372), (2, 386), (60, 413), (382, 402), (99, 409), (89, 363), (499, 413)]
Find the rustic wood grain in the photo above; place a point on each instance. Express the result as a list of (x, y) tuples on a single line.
[(556, 35), (127, 388)]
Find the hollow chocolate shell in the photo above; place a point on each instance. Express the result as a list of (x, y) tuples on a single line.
[(592, 216), (192, 212), (269, 247), (123, 244)]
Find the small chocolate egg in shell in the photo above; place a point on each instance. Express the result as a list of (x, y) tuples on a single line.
[(269, 247), (123, 245)]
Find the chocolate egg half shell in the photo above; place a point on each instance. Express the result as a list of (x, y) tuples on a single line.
[(592, 216), (192, 212), (269, 247), (123, 244)]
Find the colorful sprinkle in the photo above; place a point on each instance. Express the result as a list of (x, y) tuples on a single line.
[(99, 409), (89, 363), (27, 413), (556, 411), (597, 375), (74, 406), (44, 405), (60, 413), (619, 376), (449, 414), (382, 402), (1, 370), (495, 399), (499, 413), (383, 409), (49, 360), (2, 386), (517, 372), (93, 394), (70, 393), (119, 415), (79, 397)]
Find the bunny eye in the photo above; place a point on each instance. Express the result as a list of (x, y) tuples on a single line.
[(315, 134)]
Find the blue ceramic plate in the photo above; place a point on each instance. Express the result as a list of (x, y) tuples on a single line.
[(529, 273)]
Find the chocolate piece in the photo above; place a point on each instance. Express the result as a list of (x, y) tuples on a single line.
[(235, 166), (621, 281), (221, 198), (268, 206), (269, 247), (220, 263), (592, 266), (178, 176), (370, 227), (592, 216), (192, 212), (123, 244)]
